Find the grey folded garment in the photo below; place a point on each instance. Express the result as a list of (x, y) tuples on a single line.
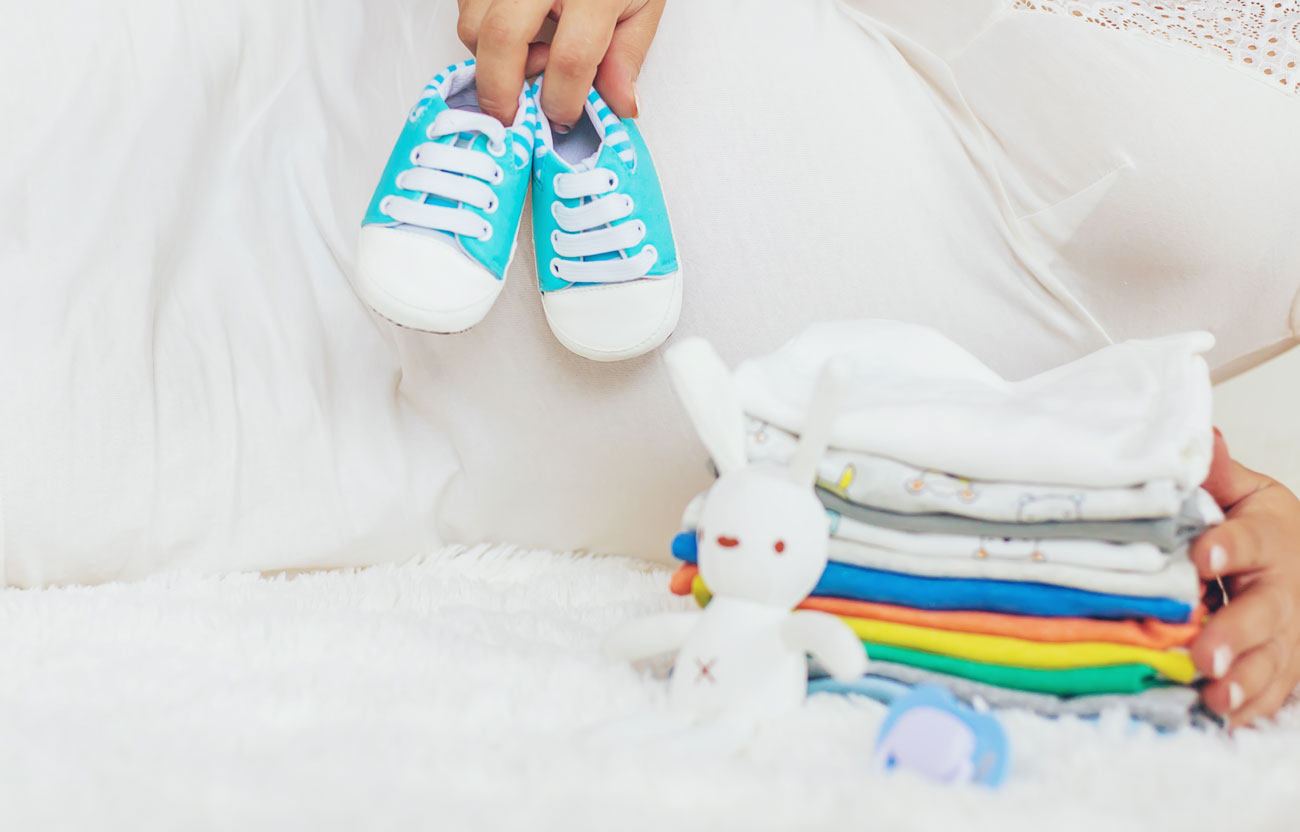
[(1169, 533), (1166, 708)]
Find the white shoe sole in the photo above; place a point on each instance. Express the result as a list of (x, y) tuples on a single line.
[(616, 321), (422, 282)]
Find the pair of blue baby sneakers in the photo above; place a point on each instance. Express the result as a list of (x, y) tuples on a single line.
[(443, 225)]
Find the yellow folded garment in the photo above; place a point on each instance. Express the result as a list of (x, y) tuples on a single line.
[(1174, 664)]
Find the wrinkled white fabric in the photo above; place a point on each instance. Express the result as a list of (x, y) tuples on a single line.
[(1150, 179), (1124, 415), (188, 382)]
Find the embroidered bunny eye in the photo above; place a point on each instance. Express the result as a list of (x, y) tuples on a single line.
[(779, 546)]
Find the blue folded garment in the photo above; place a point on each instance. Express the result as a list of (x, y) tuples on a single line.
[(1012, 597)]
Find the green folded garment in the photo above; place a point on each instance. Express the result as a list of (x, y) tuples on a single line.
[(1114, 678)]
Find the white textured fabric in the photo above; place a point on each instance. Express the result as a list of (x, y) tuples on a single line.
[(1121, 416), (189, 382), (456, 693)]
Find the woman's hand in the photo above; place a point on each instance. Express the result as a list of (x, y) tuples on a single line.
[(600, 41), (1251, 647)]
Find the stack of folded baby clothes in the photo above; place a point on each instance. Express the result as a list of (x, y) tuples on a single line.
[(1020, 542)]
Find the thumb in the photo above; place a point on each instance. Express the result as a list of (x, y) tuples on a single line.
[(617, 74), (1229, 481)]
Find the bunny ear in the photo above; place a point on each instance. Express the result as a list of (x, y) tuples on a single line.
[(823, 407), (706, 389)]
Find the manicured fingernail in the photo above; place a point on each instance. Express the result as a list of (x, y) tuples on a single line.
[(562, 129), (636, 103), (1235, 696), (1218, 559), (1222, 661)]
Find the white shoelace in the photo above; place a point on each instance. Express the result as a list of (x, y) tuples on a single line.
[(588, 230), (457, 174)]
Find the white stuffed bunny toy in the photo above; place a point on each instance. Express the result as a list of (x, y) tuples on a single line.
[(763, 539)]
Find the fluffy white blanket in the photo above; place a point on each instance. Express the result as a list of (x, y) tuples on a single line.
[(452, 693)]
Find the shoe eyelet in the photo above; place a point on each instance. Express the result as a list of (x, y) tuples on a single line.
[(385, 204), (497, 150), (613, 181), (428, 132), (415, 157), (555, 205), (487, 233), (555, 266), (555, 182), (498, 176), (555, 237), (492, 206), (631, 205)]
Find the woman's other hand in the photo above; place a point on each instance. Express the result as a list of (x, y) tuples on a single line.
[(597, 42), (1250, 649)]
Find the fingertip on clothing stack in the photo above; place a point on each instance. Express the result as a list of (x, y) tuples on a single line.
[(442, 227), (1025, 543)]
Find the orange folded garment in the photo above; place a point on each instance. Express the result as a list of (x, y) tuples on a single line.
[(680, 582), (1157, 635)]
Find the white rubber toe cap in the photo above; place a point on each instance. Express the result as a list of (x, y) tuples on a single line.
[(615, 321), (422, 282)]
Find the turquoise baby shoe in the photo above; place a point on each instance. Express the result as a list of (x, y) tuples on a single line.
[(443, 223), (606, 259)]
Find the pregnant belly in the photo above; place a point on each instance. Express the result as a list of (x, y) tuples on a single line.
[(824, 185)]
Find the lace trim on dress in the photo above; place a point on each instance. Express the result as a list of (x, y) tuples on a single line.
[(1262, 37)]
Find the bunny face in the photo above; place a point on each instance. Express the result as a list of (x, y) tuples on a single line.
[(762, 537), (763, 534)]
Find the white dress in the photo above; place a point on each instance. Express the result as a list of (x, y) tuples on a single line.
[(1031, 184), (190, 384)]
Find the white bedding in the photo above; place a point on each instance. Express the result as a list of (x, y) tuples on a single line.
[(455, 694)]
